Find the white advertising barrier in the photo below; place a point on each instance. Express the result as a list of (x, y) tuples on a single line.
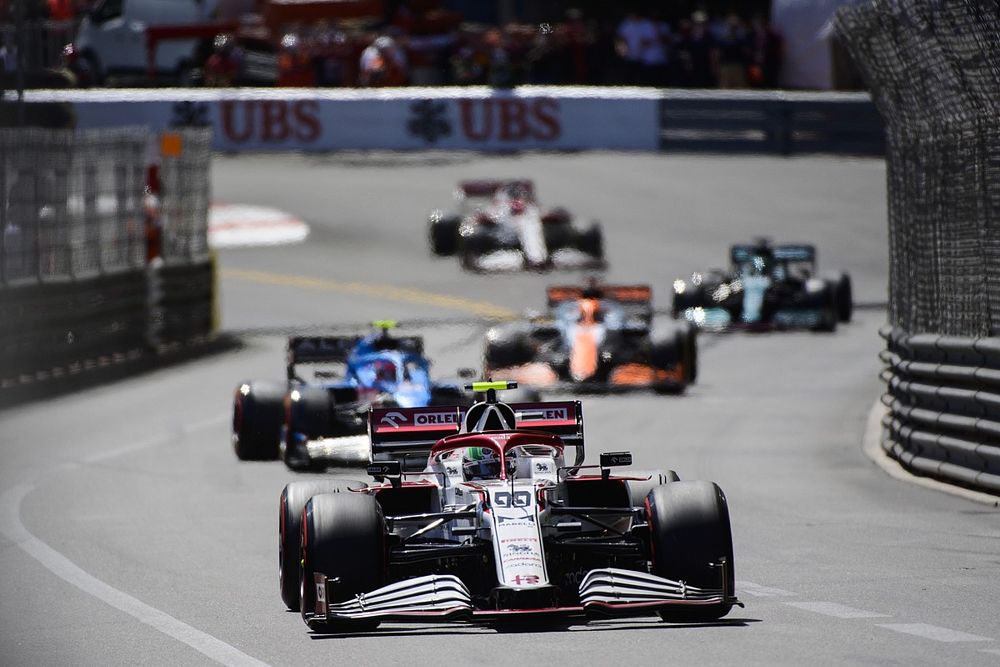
[(527, 118)]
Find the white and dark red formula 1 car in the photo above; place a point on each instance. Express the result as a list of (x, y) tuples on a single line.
[(500, 527), (499, 225)]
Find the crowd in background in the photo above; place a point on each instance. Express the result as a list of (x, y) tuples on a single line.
[(424, 42), (642, 49)]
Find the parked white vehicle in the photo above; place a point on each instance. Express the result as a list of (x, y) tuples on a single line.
[(112, 36)]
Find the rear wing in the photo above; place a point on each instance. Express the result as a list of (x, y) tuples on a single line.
[(787, 253), (637, 299), (318, 349), (411, 432), (409, 344), (486, 188)]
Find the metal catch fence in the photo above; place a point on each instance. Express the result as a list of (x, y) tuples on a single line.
[(934, 73)]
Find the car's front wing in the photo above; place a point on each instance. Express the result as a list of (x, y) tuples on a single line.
[(432, 598)]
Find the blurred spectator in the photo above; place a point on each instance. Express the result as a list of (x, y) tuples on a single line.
[(580, 40), (295, 66), (734, 54), (382, 64), (697, 54), (545, 62), (500, 71), (635, 37), (470, 61), (644, 43), (8, 56), (766, 53), (222, 68)]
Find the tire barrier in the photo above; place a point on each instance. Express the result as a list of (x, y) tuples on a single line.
[(60, 328), (943, 395)]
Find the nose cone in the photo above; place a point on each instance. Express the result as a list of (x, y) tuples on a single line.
[(583, 356)]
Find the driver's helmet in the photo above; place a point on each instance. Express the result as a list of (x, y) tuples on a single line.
[(384, 370), (590, 312), (759, 265), (480, 463), (483, 463)]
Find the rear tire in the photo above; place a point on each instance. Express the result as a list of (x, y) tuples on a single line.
[(444, 236), (689, 530), (667, 353), (507, 352), (258, 414), (592, 242), (845, 298), (290, 505), (343, 536), (310, 415), (689, 337), (638, 490)]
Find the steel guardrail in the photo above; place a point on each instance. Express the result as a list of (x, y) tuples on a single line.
[(943, 400)]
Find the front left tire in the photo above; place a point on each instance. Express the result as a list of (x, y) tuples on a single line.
[(690, 533)]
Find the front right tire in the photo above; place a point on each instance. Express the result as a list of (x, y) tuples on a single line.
[(343, 537), (292, 501)]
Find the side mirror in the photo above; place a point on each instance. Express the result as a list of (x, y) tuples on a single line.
[(380, 470), (614, 460)]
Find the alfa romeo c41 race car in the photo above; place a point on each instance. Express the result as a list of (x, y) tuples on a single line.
[(303, 421), (500, 526), (767, 287), (594, 338), (499, 225)]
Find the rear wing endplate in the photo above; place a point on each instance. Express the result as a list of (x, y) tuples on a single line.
[(411, 432)]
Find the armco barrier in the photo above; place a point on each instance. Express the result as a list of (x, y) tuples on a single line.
[(770, 122), (182, 300), (487, 119), (76, 290), (57, 328), (943, 395)]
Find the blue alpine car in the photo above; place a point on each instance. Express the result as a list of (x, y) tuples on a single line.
[(307, 418)]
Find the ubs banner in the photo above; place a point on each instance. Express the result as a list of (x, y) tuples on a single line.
[(407, 119)]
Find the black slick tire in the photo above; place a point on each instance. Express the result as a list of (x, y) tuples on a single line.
[(258, 415), (343, 536), (444, 236), (689, 532), (292, 501), (845, 298)]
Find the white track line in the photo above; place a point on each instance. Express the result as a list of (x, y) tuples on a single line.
[(836, 610), (933, 632), (12, 528), (759, 591)]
